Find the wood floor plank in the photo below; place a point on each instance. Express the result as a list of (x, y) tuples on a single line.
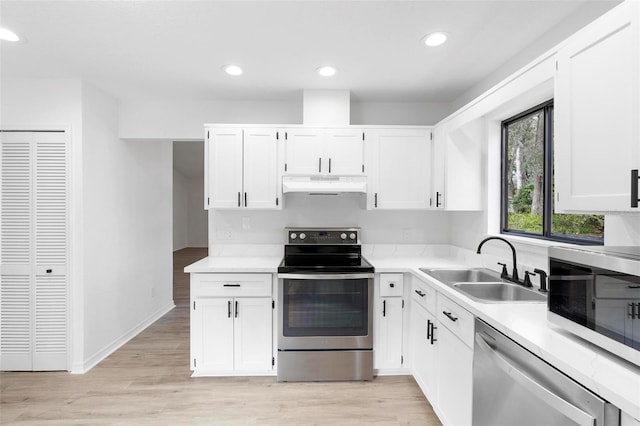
[(147, 381)]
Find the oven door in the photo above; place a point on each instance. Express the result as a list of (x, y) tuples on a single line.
[(325, 311)]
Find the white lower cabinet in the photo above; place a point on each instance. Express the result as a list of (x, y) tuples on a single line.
[(423, 344), (231, 333), (455, 374), (455, 362), (388, 323), (442, 335)]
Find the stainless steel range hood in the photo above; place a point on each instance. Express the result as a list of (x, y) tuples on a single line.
[(324, 185)]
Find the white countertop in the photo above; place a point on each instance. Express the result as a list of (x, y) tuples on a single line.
[(612, 378), (242, 264)]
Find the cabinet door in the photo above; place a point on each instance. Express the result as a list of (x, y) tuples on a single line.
[(224, 169), (260, 164), (438, 146), (212, 334), (388, 348), (344, 152), (597, 105), (402, 169), (424, 349), (303, 151), (253, 332), (455, 363)]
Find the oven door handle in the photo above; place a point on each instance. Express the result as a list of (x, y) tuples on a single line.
[(325, 276)]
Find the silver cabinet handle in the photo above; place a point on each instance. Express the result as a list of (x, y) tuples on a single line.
[(320, 165), (550, 398), (329, 165)]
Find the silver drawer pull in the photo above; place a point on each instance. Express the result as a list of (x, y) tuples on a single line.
[(231, 285), (421, 294)]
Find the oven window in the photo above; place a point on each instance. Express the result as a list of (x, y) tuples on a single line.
[(325, 307)]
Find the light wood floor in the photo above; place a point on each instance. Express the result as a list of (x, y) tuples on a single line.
[(147, 381)]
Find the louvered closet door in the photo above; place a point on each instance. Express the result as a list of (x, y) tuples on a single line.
[(50, 227), (34, 251), (16, 289)]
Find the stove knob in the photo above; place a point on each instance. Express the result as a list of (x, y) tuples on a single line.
[(343, 236), (303, 235), (293, 236), (352, 236)]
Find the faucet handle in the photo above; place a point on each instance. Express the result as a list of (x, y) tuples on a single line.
[(543, 279), (527, 279), (504, 273)]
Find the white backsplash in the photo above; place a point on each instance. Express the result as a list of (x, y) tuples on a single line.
[(378, 227)]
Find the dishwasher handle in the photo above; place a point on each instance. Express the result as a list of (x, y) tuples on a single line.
[(574, 413)]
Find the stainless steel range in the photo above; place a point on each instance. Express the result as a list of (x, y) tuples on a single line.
[(325, 307)]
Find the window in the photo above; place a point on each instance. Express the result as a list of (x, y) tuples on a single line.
[(527, 183)]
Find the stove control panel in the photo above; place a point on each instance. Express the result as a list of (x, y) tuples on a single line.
[(323, 236)]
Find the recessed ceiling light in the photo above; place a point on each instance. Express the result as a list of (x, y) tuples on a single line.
[(232, 69), (326, 71), (435, 39), (8, 35)]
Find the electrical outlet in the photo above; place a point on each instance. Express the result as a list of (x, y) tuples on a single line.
[(224, 234), (406, 235)]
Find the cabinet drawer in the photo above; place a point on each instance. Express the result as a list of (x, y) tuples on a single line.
[(391, 285), (423, 294), (457, 319), (231, 285)]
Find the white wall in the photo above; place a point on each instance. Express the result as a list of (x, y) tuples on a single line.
[(180, 211), (190, 219), (127, 217), (184, 120), (398, 113), (587, 13), (267, 227), (51, 103), (198, 217)]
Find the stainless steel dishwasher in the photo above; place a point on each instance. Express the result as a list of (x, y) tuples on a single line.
[(512, 386)]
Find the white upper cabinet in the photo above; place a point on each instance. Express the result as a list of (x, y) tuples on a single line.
[(224, 168), (597, 110), (457, 166), (345, 151), (324, 152), (260, 166), (303, 150), (400, 175), (242, 168)]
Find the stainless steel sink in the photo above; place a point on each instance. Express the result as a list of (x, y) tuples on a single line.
[(499, 292), (484, 285), (467, 275)]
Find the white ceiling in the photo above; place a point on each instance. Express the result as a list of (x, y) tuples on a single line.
[(175, 49)]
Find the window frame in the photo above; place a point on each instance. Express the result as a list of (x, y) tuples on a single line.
[(547, 213)]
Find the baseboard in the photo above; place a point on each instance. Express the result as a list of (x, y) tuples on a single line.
[(392, 372), (119, 342)]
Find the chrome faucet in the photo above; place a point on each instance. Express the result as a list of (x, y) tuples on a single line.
[(514, 276)]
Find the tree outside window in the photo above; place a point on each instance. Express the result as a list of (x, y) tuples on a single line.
[(527, 183)]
